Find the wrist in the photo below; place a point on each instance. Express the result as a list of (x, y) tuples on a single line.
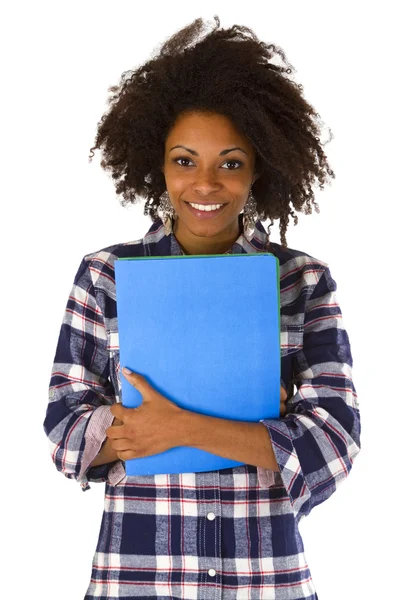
[(190, 423), (106, 455), (183, 425)]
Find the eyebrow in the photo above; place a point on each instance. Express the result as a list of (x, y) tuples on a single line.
[(220, 154)]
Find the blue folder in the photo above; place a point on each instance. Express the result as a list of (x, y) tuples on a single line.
[(204, 330)]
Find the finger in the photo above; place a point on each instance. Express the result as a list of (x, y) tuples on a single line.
[(126, 454), (117, 410), (283, 394), (122, 444), (135, 379), (115, 432)]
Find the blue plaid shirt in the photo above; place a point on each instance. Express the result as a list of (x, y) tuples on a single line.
[(224, 534)]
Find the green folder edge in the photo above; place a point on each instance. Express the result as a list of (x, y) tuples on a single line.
[(228, 256)]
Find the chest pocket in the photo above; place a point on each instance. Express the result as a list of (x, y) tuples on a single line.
[(113, 355), (291, 339)]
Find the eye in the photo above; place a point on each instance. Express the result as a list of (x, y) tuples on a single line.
[(180, 158), (238, 162)]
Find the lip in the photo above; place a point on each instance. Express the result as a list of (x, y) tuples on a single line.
[(202, 214)]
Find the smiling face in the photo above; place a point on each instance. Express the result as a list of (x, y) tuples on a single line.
[(213, 164)]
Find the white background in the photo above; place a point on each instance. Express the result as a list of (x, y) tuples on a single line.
[(57, 61)]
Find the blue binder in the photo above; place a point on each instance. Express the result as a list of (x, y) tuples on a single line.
[(205, 332)]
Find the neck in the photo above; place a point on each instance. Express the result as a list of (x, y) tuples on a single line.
[(192, 244)]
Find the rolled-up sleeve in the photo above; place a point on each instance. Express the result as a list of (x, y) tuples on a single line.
[(316, 442), (80, 391)]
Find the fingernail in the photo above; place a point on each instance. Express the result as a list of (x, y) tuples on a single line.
[(127, 371)]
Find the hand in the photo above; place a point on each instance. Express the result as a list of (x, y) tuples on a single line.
[(283, 402), (151, 428), (154, 426)]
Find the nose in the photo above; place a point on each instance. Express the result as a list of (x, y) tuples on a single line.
[(206, 183)]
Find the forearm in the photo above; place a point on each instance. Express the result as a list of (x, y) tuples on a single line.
[(245, 442), (107, 453)]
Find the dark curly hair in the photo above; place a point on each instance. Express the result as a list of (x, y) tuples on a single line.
[(229, 72)]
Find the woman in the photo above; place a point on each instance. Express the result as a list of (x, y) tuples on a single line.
[(208, 126)]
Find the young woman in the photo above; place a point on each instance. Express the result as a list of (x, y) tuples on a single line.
[(217, 138)]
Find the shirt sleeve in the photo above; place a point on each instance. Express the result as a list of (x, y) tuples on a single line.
[(316, 442), (81, 391)]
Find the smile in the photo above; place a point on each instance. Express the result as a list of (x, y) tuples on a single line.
[(207, 213)]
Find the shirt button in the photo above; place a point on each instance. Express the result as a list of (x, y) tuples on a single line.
[(211, 516), (212, 572)]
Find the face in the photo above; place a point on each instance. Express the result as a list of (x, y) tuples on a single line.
[(207, 161)]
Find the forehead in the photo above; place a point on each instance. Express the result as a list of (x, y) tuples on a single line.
[(207, 129)]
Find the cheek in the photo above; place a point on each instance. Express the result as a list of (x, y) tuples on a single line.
[(176, 181)]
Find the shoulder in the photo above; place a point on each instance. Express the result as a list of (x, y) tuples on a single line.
[(114, 251), (98, 266), (292, 260), (300, 274)]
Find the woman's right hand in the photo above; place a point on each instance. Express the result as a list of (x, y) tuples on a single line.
[(282, 411)]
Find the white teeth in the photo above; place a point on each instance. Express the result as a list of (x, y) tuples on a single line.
[(206, 208)]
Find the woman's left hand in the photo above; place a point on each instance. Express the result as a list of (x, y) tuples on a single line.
[(151, 428)]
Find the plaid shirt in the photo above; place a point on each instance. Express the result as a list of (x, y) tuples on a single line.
[(231, 533)]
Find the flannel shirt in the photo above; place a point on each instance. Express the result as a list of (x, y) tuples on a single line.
[(225, 534)]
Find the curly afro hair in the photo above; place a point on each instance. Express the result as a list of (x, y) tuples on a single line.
[(228, 71)]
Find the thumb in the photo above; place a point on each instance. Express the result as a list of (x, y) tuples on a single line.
[(134, 378)]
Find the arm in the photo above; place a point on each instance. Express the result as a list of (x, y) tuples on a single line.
[(80, 390), (107, 453), (245, 442), (316, 443), (239, 440)]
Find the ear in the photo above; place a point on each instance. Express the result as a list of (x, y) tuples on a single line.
[(256, 176)]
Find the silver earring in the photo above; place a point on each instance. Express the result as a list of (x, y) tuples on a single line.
[(167, 213), (250, 216)]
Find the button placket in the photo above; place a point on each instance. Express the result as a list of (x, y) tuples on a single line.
[(212, 516)]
